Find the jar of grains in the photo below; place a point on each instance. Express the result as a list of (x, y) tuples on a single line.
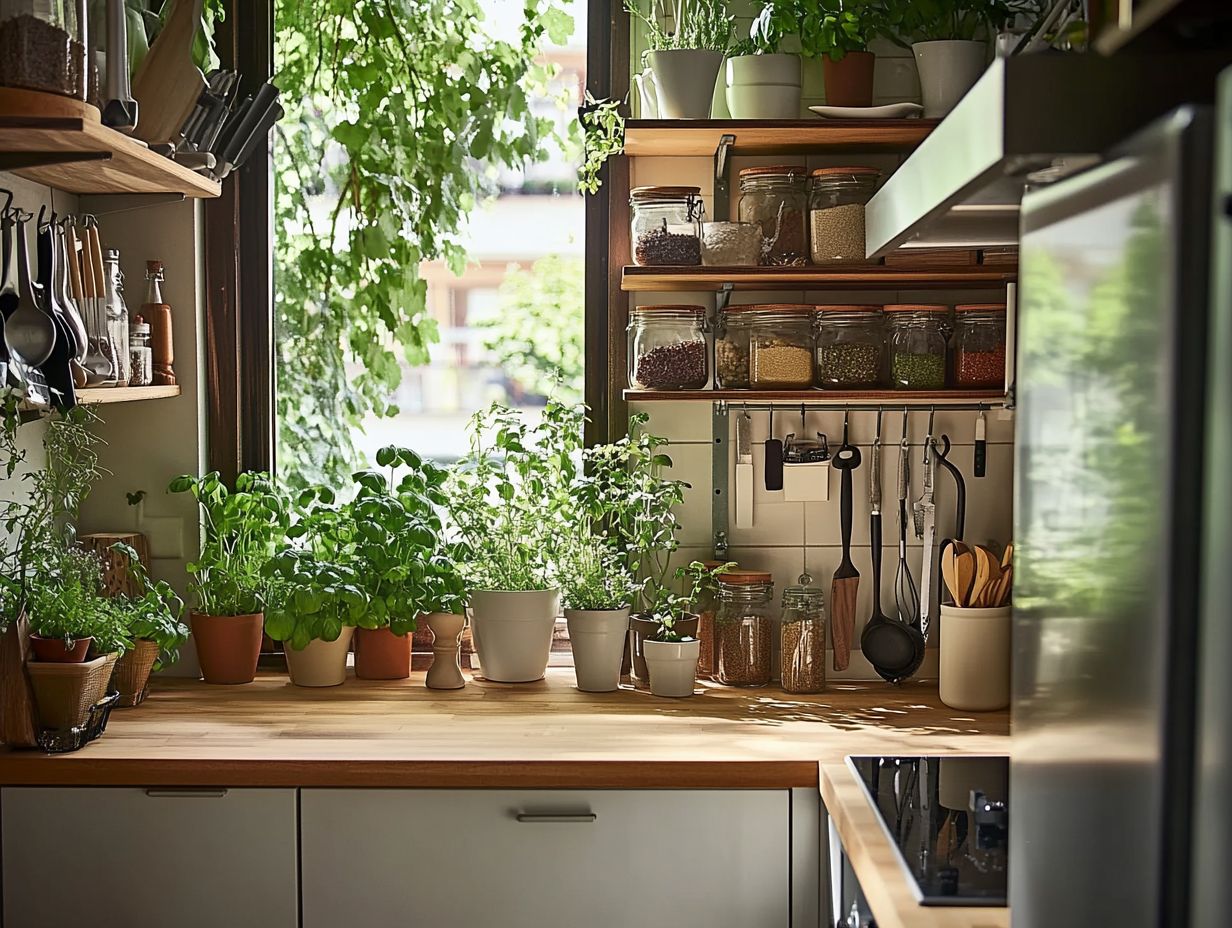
[(731, 348), (836, 213), (667, 348), (781, 347), (979, 345), (141, 356), (43, 47), (745, 627), (776, 198), (850, 347), (731, 244), (706, 607), (802, 663), (916, 342), (667, 225)]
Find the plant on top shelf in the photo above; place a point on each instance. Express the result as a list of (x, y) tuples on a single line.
[(685, 57), (839, 32), (153, 620), (763, 77)]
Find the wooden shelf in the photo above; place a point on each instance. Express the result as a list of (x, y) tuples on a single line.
[(60, 142), (698, 137), (839, 398), (849, 277), (95, 395)]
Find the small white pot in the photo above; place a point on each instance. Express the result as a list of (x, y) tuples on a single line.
[(948, 69), (763, 69), (684, 80), (599, 638), (763, 86), (513, 632), (320, 663), (975, 658), (673, 666)]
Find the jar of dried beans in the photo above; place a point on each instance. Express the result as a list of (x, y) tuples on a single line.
[(776, 198), (745, 627), (706, 607), (916, 342), (667, 348), (731, 348), (979, 345), (836, 213), (667, 226), (802, 656), (781, 347), (850, 346), (43, 46)]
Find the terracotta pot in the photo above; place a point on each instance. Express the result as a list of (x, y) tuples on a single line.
[(228, 646), (643, 629), (446, 670), (319, 663), (54, 650), (132, 672), (849, 81), (382, 655)]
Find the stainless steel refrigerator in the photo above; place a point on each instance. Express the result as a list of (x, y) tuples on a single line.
[(1122, 559)]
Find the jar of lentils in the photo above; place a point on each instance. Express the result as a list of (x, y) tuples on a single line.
[(667, 348), (667, 226), (916, 342), (776, 198), (745, 627), (850, 347), (731, 348), (979, 345), (802, 657), (781, 347), (836, 213)]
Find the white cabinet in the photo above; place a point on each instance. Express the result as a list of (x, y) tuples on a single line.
[(148, 859), (546, 858)]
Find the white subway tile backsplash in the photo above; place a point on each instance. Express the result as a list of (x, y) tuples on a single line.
[(692, 464)]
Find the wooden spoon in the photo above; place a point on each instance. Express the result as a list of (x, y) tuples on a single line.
[(987, 573), (1006, 586), (965, 575), (1008, 557)]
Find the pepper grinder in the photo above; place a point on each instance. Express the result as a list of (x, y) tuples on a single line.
[(446, 670), (158, 315)]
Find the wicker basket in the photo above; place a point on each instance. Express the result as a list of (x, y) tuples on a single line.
[(132, 673), (65, 693)]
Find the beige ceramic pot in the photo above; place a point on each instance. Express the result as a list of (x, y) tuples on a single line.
[(446, 670), (673, 666), (599, 638), (513, 632), (975, 658), (321, 663)]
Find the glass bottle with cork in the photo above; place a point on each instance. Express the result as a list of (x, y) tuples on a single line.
[(158, 315)]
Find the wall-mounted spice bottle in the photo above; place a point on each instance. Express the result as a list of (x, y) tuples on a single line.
[(781, 347), (776, 198), (141, 359), (802, 656), (850, 347), (43, 46), (731, 348), (666, 226), (836, 213), (158, 314), (916, 342), (979, 345), (745, 627), (667, 348)]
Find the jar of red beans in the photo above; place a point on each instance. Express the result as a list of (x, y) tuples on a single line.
[(667, 226), (668, 349), (979, 345)]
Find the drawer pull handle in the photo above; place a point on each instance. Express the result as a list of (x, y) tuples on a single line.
[(536, 818), (186, 793)]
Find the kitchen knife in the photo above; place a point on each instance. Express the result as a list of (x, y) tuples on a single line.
[(927, 511), (744, 471)]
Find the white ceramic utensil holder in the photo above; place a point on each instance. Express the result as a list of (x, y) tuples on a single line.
[(975, 658), (806, 483)]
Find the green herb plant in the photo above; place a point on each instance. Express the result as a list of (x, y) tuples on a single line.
[(603, 129), (835, 27), (686, 24), (774, 24), (671, 607), (908, 21), (154, 613), (310, 598), (67, 602)]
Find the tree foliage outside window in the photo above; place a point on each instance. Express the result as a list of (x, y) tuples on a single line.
[(399, 115)]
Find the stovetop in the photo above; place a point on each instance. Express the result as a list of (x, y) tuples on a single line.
[(949, 819)]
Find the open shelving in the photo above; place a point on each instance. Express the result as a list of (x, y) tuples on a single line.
[(702, 137), (849, 277), (815, 397), (95, 395)]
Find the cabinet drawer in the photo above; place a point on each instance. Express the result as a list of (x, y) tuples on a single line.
[(535, 858), (116, 856)]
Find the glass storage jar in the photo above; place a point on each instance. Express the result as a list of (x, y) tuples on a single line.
[(802, 655), (979, 345), (43, 46), (836, 213), (667, 348), (141, 357), (850, 347), (731, 348), (916, 342), (745, 627), (667, 226), (776, 198), (706, 608), (781, 347)]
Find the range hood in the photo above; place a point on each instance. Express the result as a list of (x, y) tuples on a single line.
[(1031, 119)]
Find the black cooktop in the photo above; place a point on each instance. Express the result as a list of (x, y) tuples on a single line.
[(949, 819)]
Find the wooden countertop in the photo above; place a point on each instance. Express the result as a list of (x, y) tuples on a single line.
[(546, 734)]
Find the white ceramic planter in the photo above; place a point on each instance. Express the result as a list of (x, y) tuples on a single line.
[(513, 632), (684, 80), (975, 658), (446, 670), (673, 666), (321, 663), (599, 638), (948, 69), (647, 94), (763, 86)]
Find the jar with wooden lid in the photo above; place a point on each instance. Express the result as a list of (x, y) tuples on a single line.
[(666, 226), (916, 340), (43, 47), (776, 198), (744, 624), (802, 655), (781, 346), (667, 348), (979, 345), (706, 608), (837, 197), (731, 348), (850, 347)]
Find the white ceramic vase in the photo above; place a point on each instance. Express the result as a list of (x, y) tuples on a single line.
[(513, 632), (599, 638), (673, 666), (684, 80), (975, 658), (763, 86), (948, 69), (320, 663), (446, 670)]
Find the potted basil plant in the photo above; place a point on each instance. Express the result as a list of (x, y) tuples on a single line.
[(685, 60), (763, 80), (839, 32), (153, 619)]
